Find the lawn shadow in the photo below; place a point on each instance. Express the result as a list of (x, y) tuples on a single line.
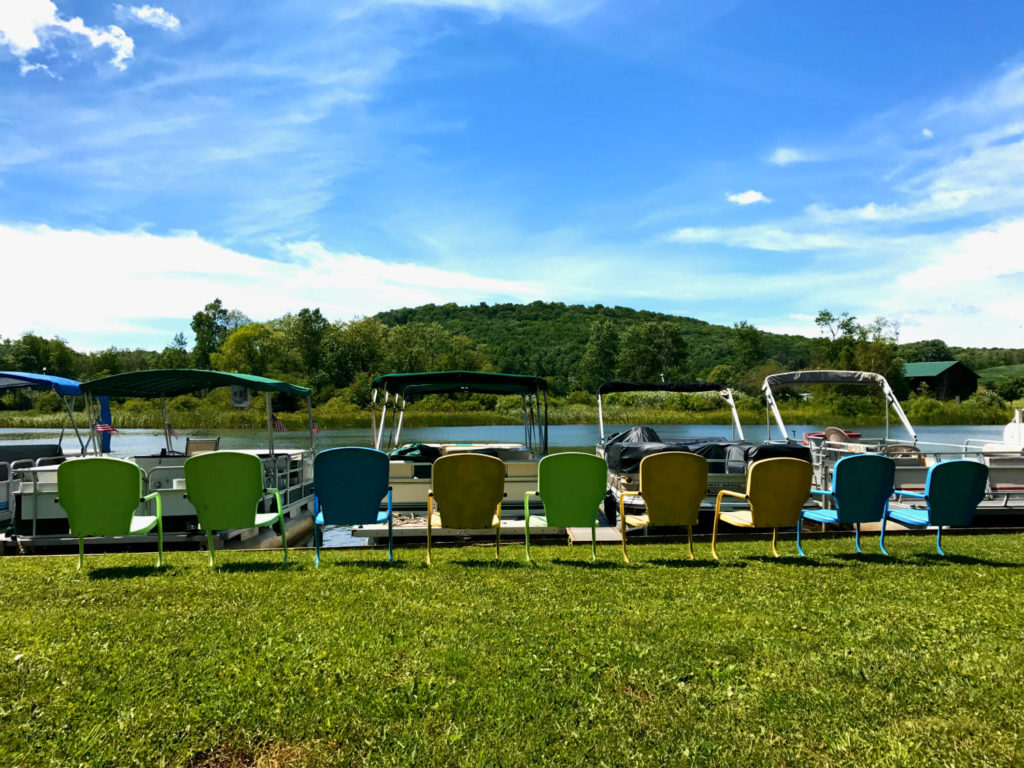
[(383, 565), (254, 567), (598, 564), (679, 562), (490, 563), (869, 557), (806, 562), (127, 571), (937, 559)]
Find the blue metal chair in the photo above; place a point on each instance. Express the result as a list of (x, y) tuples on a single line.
[(952, 492), (861, 487), (348, 486)]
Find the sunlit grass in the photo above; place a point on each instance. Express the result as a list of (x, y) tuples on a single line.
[(836, 660)]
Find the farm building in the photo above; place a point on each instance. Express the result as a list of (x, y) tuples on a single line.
[(946, 380)]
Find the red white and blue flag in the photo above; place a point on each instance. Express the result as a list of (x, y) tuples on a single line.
[(171, 432), (101, 428), (277, 425), (316, 429)]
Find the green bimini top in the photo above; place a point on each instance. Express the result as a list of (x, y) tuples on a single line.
[(170, 382), (446, 382)]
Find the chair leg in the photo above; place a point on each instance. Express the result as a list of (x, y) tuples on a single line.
[(497, 541), (799, 530), (775, 551), (714, 532), (159, 541), (316, 544), (81, 553), (593, 543), (209, 544), (391, 519), (527, 542), (622, 525), (938, 540), (881, 536), (429, 514), (689, 539), (856, 537)]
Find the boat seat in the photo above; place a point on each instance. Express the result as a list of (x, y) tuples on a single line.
[(197, 445)]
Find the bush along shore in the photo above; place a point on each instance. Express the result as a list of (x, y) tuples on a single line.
[(189, 412)]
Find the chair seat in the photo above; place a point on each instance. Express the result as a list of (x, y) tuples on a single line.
[(909, 516), (143, 524), (540, 521), (382, 517), (741, 517), (265, 519), (821, 515), (435, 520), (638, 521)]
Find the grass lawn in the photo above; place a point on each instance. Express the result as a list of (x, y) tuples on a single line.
[(836, 660)]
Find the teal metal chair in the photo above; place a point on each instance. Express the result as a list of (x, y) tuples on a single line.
[(572, 487), (348, 487), (862, 485), (226, 488), (101, 495), (952, 492)]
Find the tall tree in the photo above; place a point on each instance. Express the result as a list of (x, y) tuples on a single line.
[(600, 357), (652, 351)]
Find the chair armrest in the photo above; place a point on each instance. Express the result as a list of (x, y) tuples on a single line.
[(820, 492), (915, 494), (718, 501), (159, 504)]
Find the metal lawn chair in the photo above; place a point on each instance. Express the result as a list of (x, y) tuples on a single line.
[(572, 486)]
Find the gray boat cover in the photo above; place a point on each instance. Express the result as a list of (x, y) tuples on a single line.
[(824, 377), (723, 455)]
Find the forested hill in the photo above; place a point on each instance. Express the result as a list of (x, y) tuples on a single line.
[(578, 346)]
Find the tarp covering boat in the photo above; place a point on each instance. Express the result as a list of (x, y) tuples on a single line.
[(666, 386), (171, 382), (825, 377), (625, 450)]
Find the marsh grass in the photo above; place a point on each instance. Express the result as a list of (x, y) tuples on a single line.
[(835, 661)]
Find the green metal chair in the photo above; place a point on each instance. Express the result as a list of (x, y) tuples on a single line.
[(226, 488), (101, 495), (672, 484), (572, 487)]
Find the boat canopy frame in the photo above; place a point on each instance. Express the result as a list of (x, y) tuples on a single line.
[(610, 387), (403, 388), (860, 378), (171, 382), (66, 389)]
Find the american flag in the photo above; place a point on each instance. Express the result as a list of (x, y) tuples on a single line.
[(277, 425), (171, 432), (316, 429), (101, 427)]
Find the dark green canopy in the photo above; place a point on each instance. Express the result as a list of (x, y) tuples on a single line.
[(170, 382), (446, 382)]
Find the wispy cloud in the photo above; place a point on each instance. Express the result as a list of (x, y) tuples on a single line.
[(789, 155), (545, 11), (747, 198), (27, 25), (154, 16)]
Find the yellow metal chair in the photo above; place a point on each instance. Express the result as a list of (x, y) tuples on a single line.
[(777, 490), (468, 489), (672, 484)]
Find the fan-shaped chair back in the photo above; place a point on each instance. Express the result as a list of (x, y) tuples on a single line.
[(673, 485), (467, 488), (572, 487), (777, 490)]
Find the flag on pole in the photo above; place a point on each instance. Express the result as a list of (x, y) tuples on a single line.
[(316, 429), (171, 432), (276, 424), (101, 428)]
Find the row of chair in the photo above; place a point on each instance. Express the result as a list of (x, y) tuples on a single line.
[(227, 489)]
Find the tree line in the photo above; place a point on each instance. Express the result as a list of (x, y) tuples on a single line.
[(574, 347)]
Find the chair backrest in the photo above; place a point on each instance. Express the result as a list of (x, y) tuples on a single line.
[(197, 445), (225, 488), (349, 484), (468, 488), (861, 486), (99, 494), (572, 486), (954, 489), (673, 485), (777, 490)]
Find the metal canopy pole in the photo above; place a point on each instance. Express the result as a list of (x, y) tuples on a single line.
[(312, 436), (770, 403), (167, 426), (383, 418), (373, 414), (270, 423), (71, 415), (736, 425), (401, 417), (600, 416)]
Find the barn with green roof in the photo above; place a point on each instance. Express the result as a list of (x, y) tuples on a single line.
[(946, 379)]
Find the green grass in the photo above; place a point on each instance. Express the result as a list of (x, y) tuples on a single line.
[(1002, 372), (833, 661)]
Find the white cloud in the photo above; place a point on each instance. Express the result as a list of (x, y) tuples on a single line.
[(155, 16), (762, 238), (748, 197), (547, 11), (147, 276), (788, 155), (927, 133), (25, 25)]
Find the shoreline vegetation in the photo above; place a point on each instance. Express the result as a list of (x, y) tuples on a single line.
[(194, 413)]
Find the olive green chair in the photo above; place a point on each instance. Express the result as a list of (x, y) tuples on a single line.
[(672, 485), (101, 496), (572, 486), (777, 490), (467, 489), (226, 488)]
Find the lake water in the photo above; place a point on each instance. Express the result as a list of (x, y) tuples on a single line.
[(129, 442)]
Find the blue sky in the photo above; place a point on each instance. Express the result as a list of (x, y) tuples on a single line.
[(722, 160)]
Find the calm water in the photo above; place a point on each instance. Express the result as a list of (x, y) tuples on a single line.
[(129, 442)]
